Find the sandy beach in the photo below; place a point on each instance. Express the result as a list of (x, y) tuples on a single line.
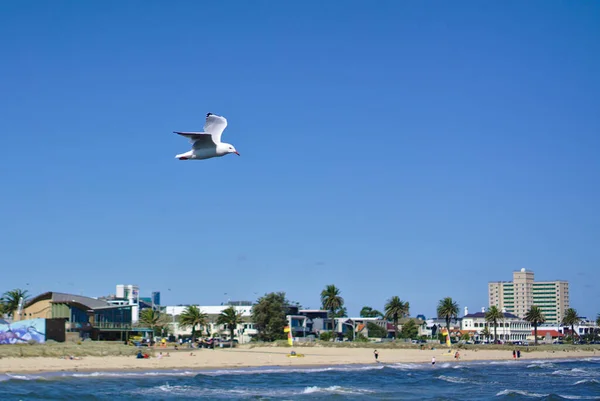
[(268, 356)]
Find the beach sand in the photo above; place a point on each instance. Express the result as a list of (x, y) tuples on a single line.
[(269, 356)]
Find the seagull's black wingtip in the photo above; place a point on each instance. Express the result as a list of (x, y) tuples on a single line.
[(208, 114)]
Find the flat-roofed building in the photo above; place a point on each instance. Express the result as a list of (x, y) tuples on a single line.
[(519, 295)]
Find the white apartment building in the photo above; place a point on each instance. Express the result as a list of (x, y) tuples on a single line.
[(517, 296), (131, 294), (243, 332), (511, 328)]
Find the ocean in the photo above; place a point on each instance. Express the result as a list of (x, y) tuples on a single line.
[(493, 380)]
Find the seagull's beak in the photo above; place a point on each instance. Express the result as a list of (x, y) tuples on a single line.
[(237, 153)]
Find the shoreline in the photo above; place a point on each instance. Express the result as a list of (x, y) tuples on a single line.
[(265, 357)]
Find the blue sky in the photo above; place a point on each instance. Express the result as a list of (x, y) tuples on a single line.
[(418, 149)]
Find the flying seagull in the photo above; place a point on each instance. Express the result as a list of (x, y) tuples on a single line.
[(207, 144)]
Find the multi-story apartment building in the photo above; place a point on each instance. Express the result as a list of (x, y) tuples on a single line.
[(517, 296)]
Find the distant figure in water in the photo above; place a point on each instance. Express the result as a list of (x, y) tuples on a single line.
[(376, 355)]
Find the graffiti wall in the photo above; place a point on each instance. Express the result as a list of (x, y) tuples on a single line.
[(22, 331)]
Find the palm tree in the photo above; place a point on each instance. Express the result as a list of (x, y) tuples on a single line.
[(493, 315), (150, 318), (485, 333), (367, 311), (331, 300), (447, 309), (192, 316), (395, 309), (570, 319), (535, 317), (230, 318), (10, 300)]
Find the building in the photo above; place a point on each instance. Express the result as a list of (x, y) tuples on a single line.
[(130, 293), (519, 295), (510, 328), (243, 332), (84, 316)]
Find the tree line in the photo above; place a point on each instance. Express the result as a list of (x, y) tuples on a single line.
[(270, 311)]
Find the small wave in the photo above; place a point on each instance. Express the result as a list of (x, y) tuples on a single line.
[(457, 380), (574, 372), (521, 392), (541, 365), (335, 390), (241, 392), (9, 376), (252, 371), (127, 374)]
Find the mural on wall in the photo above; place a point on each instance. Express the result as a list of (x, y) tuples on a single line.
[(23, 331)]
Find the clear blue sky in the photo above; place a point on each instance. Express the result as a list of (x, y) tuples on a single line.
[(418, 149)]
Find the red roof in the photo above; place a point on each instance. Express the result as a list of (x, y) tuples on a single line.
[(553, 333)]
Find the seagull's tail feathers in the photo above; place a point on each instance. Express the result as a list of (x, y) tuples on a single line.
[(184, 156)]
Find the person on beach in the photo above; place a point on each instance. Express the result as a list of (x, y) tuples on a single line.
[(433, 361), (514, 354), (376, 355), (518, 354)]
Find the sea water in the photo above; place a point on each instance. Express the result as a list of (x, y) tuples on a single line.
[(492, 380)]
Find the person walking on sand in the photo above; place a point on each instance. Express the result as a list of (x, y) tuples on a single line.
[(433, 361), (376, 355), (514, 354)]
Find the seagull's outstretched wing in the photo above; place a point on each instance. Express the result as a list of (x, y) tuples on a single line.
[(198, 139), (214, 126)]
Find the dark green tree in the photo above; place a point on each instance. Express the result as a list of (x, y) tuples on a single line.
[(230, 318), (409, 329), (376, 331), (447, 309), (535, 316), (367, 311), (192, 317), (268, 315), (494, 315), (571, 319), (395, 308), (332, 301), (10, 300)]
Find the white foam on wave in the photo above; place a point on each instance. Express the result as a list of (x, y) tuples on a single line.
[(539, 395), (541, 365), (521, 392), (574, 372), (453, 379), (586, 381), (336, 390), (9, 376), (128, 374), (238, 392), (253, 371)]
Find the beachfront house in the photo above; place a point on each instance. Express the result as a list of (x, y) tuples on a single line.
[(243, 333), (83, 317), (510, 329)]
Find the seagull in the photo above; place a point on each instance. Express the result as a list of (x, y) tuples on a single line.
[(207, 144)]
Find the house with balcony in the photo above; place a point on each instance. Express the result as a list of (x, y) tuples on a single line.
[(510, 328)]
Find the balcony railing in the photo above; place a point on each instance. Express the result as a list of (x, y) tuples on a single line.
[(112, 325)]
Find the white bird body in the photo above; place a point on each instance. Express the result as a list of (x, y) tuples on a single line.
[(207, 144)]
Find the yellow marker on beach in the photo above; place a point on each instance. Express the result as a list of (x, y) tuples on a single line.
[(447, 334), (287, 329)]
